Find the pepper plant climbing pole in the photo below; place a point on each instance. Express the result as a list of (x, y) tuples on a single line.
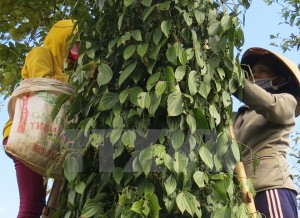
[(150, 126)]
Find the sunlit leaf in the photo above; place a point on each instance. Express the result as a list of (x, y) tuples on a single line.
[(175, 106), (166, 27), (206, 156)]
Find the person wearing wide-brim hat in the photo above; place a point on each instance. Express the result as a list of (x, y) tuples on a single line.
[(271, 95)]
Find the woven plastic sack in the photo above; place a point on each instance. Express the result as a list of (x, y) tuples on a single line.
[(35, 139)]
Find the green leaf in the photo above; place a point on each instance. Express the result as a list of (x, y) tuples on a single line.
[(118, 122), (226, 22), (133, 95), (154, 51), (105, 74), (152, 80), (157, 35), (217, 162), (137, 35), (153, 204), (197, 48), (175, 104), (123, 39), (151, 65), (179, 73), (142, 49), (180, 163), (128, 52), (71, 197), (118, 174), (177, 139), (108, 100), (126, 72), (166, 27), (155, 101), (147, 13), (192, 82), (181, 202), (235, 150), (204, 89), (146, 208), (145, 158), (115, 135), (213, 29), (169, 204), (123, 96), (146, 3), (137, 206), (222, 144), (226, 98), (128, 138), (200, 17), (80, 187), (160, 87), (201, 120), (169, 76), (183, 57), (88, 125), (222, 212), (71, 168), (242, 211), (128, 2), (91, 53), (170, 184), (187, 18), (164, 6), (59, 103), (91, 208), (144, 100), (206, 157), (214, 113), (191, 121), (187, 202), (171, 55), (221, 73), (149, 188), (200, 178), (220, 188)]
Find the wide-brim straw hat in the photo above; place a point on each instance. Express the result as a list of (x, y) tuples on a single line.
[(288, 67)]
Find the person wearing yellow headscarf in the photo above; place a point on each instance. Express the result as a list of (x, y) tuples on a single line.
[(44, 61)]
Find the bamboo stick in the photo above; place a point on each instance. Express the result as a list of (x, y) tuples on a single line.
[(242, 177)]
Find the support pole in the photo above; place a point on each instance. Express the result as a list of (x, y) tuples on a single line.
[(52, 202), (242, 177)]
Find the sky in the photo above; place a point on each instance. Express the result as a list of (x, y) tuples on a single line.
[(261, 21)]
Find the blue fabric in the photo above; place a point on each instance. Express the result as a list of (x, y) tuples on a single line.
[(277, 203)]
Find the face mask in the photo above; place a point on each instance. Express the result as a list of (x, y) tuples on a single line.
[(267, 84), (73, 53)]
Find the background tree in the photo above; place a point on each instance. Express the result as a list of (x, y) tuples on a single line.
[(291, 16), (24, 25)]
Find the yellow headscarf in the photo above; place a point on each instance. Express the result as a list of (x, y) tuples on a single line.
[(42, 63)]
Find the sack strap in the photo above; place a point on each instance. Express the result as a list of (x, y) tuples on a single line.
[(42, 84), (38, 84)]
